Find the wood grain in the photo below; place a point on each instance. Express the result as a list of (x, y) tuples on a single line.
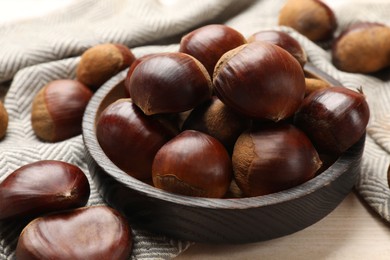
[(352, 231)]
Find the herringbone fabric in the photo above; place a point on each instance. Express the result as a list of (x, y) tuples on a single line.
[(89, 22), (35, 52)]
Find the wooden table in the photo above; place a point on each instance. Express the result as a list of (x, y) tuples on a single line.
[(351, 231)]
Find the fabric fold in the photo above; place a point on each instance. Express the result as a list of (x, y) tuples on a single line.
[(40, 50)]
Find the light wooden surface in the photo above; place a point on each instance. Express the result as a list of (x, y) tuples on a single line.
[(351, 231)]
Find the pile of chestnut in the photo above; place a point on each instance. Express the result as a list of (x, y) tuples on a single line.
[(225, 111), (361, 47)]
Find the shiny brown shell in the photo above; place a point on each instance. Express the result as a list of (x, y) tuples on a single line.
[(41, 187), (96, 232), (260, 80)]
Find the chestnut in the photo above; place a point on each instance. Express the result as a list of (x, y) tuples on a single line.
[(130, 72), (273, 157), (58, 109), (327, 159), (362, 48), (388, 176), (208, 43), (96, 232), (129, 138), (193, 164), (283, 40), (312, 18), (234, 191), (313, 84), (3, 120), (216, 119), (334, 118), (41, 187), (169, 83), (260, 80), (101, 62)]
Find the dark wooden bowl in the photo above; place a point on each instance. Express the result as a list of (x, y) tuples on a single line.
[(215, 220)]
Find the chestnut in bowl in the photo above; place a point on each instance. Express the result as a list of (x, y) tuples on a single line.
[(216, 220)]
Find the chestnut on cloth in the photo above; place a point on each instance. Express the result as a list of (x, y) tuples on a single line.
[(34, 52)]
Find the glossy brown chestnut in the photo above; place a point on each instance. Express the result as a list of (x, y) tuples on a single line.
[(169, 83), (42, 187), (388, 176), (3, 120), (130, 72), (283, 40), (210, 42), (362, 48), (327, 159), (130, 139), (58, 109), (260, 80), (193, 164), (97, 232), (272, 158), (101, 62), (334, 118), (216, 119), (312, 18)]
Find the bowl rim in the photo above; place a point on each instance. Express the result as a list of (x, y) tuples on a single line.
[(93, 148)]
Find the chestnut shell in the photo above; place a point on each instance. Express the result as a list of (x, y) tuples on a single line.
[(214, 118), (210, 42), (101, 62), (132, 67), (3, 120), (193, 164), (260, 80), (58, 109), (312, 18), (210, 220), (42, 187), (97, 232), (362, 48), (130, 138), (334, 118), (273, 157)]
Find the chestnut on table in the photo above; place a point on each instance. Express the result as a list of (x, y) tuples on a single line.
[(42, 187), (97, 232)]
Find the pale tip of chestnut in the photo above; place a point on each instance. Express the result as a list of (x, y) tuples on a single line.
[(362, 48), (96, 232), (273, 157), (312, 18), (58, 109), (101, 62)]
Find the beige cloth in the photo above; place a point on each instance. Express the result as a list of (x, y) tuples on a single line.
[(35, 52)]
